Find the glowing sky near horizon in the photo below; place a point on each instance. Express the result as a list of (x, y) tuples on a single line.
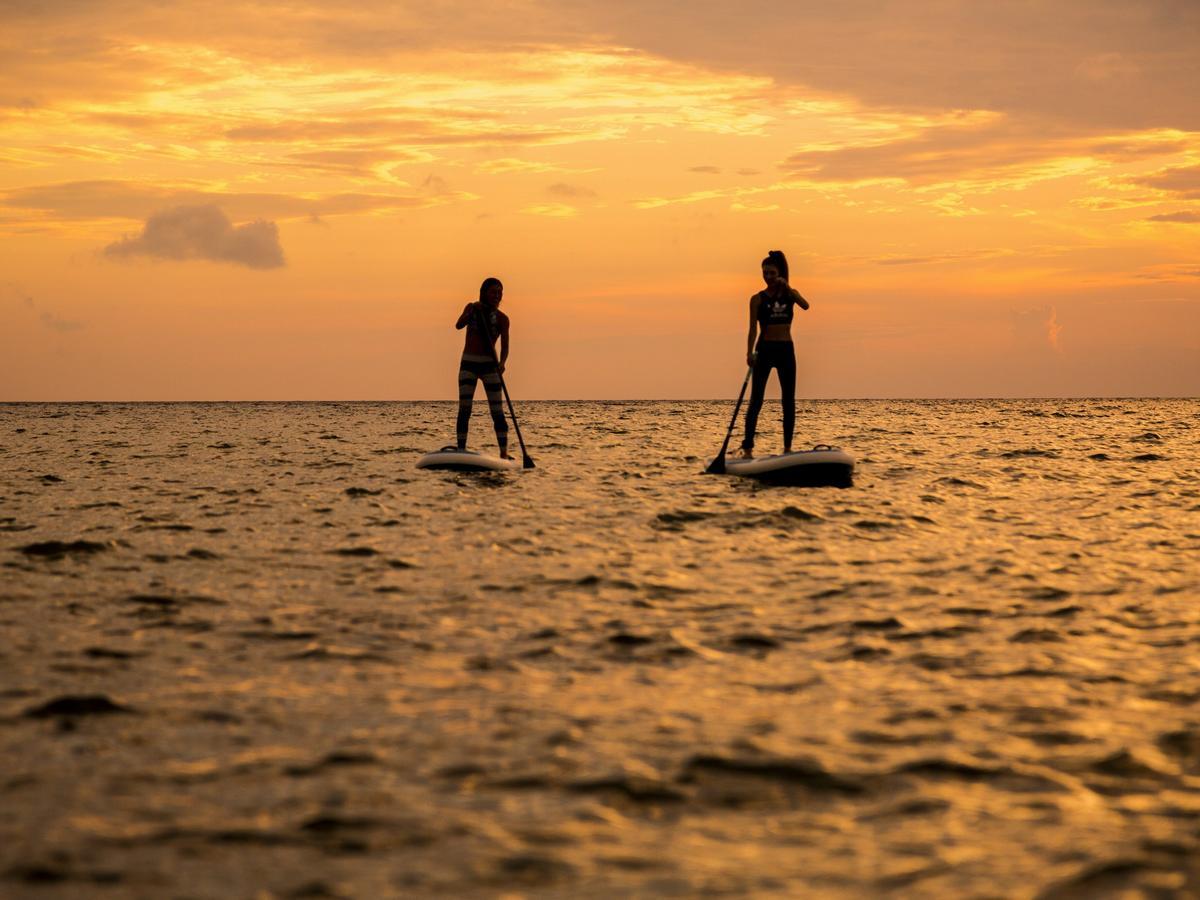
[(293, 201)]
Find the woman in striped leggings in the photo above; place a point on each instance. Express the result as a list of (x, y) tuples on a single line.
[(484, 323)]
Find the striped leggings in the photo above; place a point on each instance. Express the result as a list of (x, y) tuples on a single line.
[(472, 372)]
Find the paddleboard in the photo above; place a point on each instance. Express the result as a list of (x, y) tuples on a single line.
[(823, 466), (456, 460)]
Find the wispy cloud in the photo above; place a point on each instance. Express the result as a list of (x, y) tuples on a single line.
[(1053, 330), (553, 210), (940, 258), (1184, 217), (690, 197), (105, 200), (1177, 181), (569, 191), (1037, 329), (508, 165), (45, 317), (984, 151), (203, 232), (62, 326), (1098, 64)]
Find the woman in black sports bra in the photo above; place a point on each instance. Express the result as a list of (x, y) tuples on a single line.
[(772, 309)]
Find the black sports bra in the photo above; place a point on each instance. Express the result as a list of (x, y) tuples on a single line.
[(491, 317), (775, 310)]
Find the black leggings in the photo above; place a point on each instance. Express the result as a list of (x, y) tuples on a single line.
[(780, 355)]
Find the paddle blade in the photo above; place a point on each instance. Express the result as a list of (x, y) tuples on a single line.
[(528, 462), (717, 466)]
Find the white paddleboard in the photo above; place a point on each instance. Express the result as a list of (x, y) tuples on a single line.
[(823, 466), (456, 460)]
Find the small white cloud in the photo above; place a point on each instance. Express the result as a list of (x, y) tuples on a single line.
[(203, 232)]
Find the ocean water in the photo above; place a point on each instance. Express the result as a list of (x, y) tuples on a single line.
[(249, 651)]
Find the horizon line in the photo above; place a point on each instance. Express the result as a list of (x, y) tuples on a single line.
[(627, 399)]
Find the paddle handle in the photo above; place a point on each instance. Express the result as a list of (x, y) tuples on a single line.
[(481, 317)]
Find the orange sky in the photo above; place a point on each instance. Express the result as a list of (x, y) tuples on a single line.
[(292, 201)]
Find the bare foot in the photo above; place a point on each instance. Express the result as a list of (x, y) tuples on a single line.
[(744, 453)]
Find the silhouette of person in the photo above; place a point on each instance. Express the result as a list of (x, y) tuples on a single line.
[(772, 310), (484, 323)]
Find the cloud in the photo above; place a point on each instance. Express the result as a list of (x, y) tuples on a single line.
[(693, 197), (1110, 63), (1182, 181), (981, 148), (1053, 330), (102, 200), (14, 102), (570, 191), (355, 160), (553, 210), (373, 122), (1107, 67), (12, 289), (47, 318), (1183, 216), (1168, 272), (1096, 63), (203, 232), (510, 165), (739, 206), (409, 133), (706, 170), (54, 323), (970, 256), (1037, 329)]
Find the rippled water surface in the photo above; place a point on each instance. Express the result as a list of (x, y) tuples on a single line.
[(267, 657)]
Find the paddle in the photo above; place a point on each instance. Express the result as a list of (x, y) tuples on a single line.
[(527, 462), (717, 466)]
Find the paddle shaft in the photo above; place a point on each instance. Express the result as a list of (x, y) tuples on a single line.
[(481, 315), (717, 466)]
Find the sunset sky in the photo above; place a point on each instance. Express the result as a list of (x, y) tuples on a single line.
[(293, 201)]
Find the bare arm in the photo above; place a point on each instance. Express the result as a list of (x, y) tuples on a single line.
[(800, 301), (464, 318)]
